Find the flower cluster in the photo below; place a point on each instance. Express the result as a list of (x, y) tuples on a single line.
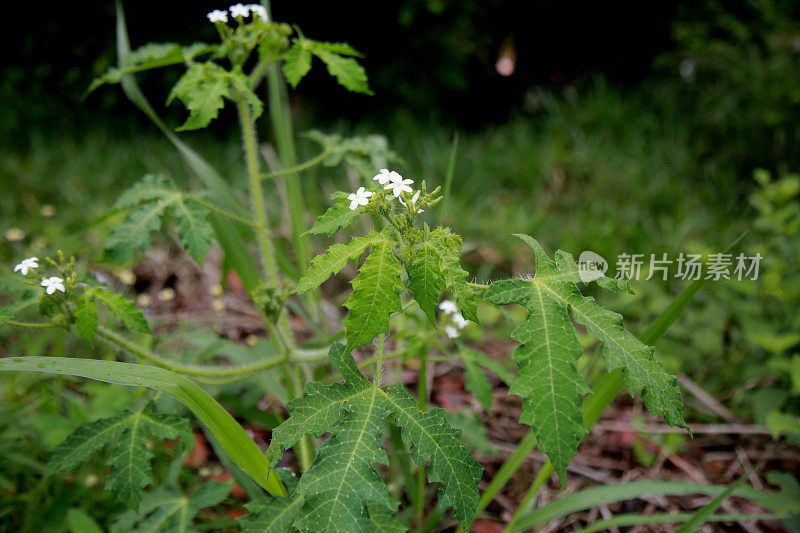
[(393, 181), (51, 284), (457, 322), (390, 186), (239, 10)]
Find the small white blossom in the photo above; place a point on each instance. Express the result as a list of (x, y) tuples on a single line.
[(258, 9), (239, 10), (53, 284), (449, 307), (455, 320), (385, 176), (360, 197), (398, 185), (25, 265), (218, 16)]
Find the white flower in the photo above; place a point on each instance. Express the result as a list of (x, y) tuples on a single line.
[(258, 9), (218, 16), (25, 265), (455, 320), (360, 197), (239, 10), (385, 176), (398, 185), (448, 307), (53, 284)]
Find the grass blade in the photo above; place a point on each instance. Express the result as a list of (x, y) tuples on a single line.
[(594, 496), (630, 519), (239, 446), (703, 514)]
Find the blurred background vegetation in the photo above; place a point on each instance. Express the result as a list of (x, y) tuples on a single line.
[(630, 127)]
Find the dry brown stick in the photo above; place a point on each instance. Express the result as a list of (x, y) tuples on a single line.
[(707, 400)]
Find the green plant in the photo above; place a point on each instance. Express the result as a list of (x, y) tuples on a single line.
[(407, 266)]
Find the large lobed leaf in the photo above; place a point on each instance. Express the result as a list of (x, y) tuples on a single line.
[(548, 380), (342, 491), (151, 199), (128, 434), (205, 87)]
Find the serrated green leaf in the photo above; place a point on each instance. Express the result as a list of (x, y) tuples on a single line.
[(334, 259), (152, 197), (232, 438), (430, 438), (346, 70), (297, 63), (86, 317), (342, 480), (82, 444), (338, 216), (134, 232), (342, 49), (193, 229), (130, 457), (151, 56), (376, 295), (448, 245), (152, 187), (164, 510), (123, 309), (478, 384), (342, 491), (547, 379), (425, 278), (203, 89), (271, 516)]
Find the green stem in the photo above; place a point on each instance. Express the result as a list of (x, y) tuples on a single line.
[(297, 168), (220, 211), (201, 371), (257, 194), (477, 286), (30, 325)]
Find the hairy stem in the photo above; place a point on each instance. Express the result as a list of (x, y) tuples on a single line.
[(298, 168), (203, 371), (30, 325), (257, 194)]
